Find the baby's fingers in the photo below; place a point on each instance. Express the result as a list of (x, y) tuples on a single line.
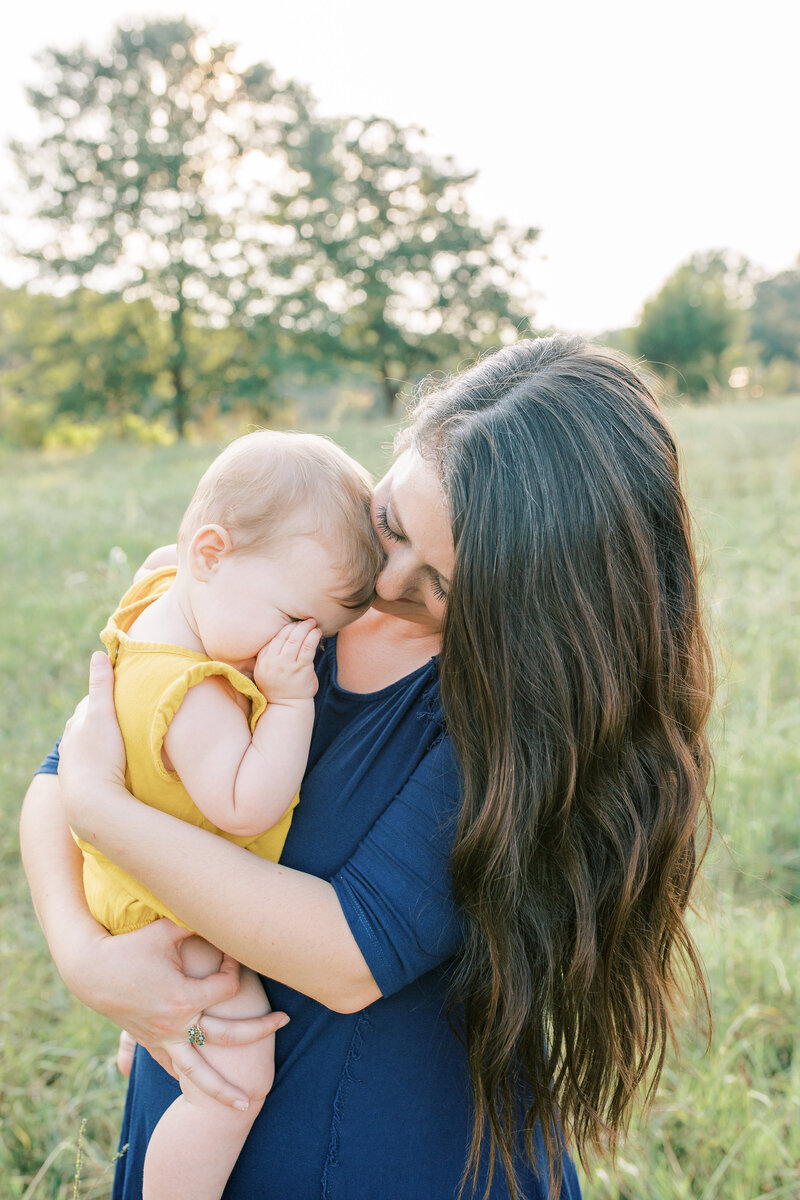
[(296, 637), (308, 646), (276, 644)]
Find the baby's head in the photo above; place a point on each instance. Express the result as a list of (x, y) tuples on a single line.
[(297, 499)]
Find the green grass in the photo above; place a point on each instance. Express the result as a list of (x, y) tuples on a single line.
[(726, 1123)]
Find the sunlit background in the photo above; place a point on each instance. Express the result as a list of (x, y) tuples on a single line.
[(632, 135)]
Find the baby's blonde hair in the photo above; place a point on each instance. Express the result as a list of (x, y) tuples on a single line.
[(270, 485)]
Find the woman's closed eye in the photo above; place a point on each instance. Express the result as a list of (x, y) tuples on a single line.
[(382, 521), (437, 589)]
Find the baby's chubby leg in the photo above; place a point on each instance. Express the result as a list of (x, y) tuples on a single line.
[(197, 1141)]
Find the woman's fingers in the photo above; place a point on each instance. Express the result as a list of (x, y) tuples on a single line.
[(99, 704), (188, 1064), (214, 989), (101, 680), (243, 1031), (101, 689), (92, 751)]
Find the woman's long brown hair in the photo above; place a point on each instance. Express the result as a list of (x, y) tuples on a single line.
[(576, 684)]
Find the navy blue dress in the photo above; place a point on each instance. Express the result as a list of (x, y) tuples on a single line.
[(374, 1104)]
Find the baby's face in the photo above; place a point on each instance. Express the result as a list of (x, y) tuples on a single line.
[(255, 594)]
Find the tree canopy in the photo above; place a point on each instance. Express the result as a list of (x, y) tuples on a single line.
[(408, 279)]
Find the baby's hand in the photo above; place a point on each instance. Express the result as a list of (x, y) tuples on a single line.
[(284, 668)]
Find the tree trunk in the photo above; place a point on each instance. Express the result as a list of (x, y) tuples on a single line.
[(390, 392), (180, 405)]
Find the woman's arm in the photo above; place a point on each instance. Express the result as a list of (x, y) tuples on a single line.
[(136, 979), (285, 924)]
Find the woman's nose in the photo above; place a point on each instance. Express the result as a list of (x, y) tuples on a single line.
[(397, 577)]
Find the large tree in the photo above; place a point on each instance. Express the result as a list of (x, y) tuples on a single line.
[(152, 179), (408, 278)]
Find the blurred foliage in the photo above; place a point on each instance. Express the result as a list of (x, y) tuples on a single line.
[(99, 364), (237, 239), (717, 326), (775, 315), (409, 280), (775, 328), (686, 328), (80, 356)]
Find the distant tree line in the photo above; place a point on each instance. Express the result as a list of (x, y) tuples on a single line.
[(202, 237), (717, 323)]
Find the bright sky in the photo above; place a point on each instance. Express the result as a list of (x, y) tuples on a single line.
[(632, 134)]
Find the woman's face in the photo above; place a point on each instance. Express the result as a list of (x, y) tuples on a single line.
[(413, 523)]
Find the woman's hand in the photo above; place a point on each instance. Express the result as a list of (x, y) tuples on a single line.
[(92, 754), (136, 980)]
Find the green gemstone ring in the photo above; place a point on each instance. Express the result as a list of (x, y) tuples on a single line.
[(196, 1035)]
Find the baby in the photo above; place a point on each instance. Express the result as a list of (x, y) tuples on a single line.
[(214, 689)]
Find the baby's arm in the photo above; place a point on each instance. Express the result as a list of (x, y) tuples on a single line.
[(244, 783)]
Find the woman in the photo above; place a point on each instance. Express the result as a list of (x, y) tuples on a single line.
[(474, 958)]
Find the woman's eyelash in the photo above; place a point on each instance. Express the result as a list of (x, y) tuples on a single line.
[(438, 590), (384, 526)]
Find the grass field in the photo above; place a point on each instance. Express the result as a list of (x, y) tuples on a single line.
[(726, 1123)]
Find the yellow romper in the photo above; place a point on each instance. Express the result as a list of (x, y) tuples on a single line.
[(150, 681)]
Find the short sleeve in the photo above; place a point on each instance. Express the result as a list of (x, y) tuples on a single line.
[(395, 890), (49, 765)]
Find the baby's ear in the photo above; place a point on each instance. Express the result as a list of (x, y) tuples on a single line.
[(206, 549)]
